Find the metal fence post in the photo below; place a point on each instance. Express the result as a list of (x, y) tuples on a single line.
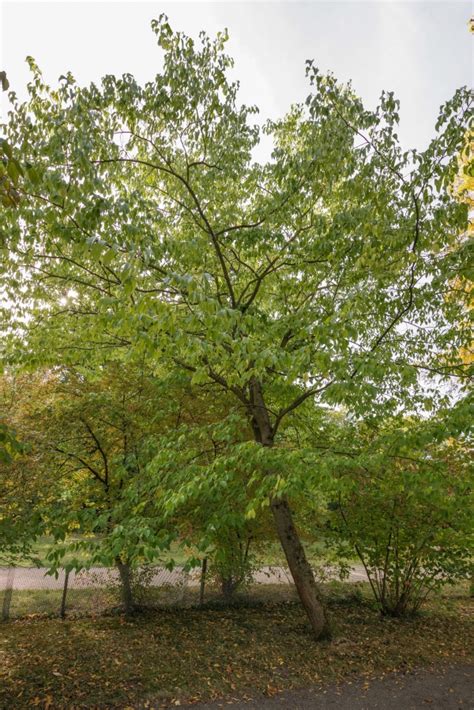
[(7, 595), (184, 586)]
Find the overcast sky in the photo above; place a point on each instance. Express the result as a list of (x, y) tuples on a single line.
[(420, 50)]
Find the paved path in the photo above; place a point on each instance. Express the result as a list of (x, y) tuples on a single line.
[(449, 688), (36, 577)]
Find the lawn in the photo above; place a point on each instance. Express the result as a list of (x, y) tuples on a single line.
[(39, 551), (169, 657), (44, 544), (93, 600), (269, 554), (32, 602)]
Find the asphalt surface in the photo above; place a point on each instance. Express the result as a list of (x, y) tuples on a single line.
[(449, 688)]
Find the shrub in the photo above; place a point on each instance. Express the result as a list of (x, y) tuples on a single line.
[(232, 561), (410, 530)]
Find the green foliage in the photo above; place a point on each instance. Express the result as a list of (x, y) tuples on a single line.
[(19, 524), (10, 447), (147, 226), (232, 561), (88, 439), (207, 489), (403, 503), (10, 168), (147, 233)]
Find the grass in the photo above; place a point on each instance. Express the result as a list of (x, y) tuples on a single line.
[(86, 601), (270, 554), (33, 602), (82, 601), (39, 551), (44, 544), (158, 658)]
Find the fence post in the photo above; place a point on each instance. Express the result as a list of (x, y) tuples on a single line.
[(203, 581), (63, 598), (184, 586), (7, 595)]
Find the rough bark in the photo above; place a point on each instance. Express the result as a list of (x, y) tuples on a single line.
[(126, 586), (300, 568), (64, 595)]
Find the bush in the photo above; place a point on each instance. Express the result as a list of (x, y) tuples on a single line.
[(400, 499), (232, 562), (410, 532)]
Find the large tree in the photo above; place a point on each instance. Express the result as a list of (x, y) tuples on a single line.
[(325, 273)]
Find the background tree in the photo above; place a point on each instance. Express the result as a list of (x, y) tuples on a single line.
[(10, 168), (90, 437), (23, 487)]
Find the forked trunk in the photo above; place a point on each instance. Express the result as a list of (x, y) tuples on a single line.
[(300, 568)]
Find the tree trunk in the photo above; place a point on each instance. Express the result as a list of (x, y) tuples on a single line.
[(202, 584), (300, 568), (64, 595), (229, 586), (126, 586), (8, 593)]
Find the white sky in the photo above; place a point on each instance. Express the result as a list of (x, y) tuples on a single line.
[(419, 49)]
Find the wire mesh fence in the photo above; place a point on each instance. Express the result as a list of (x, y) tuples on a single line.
[(30, 591)]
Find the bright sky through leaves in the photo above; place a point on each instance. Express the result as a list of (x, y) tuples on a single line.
[(420, 50)]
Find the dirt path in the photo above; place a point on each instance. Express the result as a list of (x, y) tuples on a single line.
[(448, 688), (36, 577)]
